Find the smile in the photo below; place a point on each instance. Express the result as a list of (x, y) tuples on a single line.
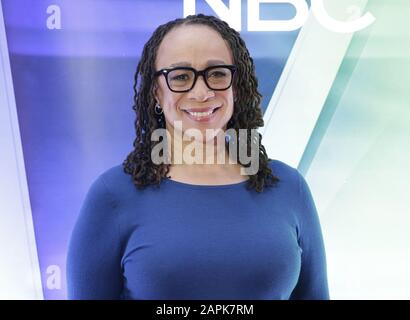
[(202, 115)]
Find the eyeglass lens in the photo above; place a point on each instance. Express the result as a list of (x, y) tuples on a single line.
[(217, 78)]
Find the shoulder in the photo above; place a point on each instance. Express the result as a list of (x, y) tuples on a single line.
[(114, 174), (281, 166), (99, 203), (102, 187), (291, 180), (114, 181), (285, 172), (295, 186)]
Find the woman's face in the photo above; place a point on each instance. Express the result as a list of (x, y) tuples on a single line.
[(195, 46)]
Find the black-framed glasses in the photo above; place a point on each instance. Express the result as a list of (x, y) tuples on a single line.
[(183, 79)]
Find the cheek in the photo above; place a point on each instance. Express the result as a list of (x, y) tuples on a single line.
[(166, 98), (230, 104), (171, 106)]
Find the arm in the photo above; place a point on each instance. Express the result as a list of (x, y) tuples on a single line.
[(312, 283), (93, 259)]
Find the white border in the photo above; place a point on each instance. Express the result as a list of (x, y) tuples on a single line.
[(20, 276)]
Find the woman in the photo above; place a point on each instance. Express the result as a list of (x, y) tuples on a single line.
[(162, 226)]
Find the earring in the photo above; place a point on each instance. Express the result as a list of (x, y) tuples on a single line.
[(158, 110), (227, 138)]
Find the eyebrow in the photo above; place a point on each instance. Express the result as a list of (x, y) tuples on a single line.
[(187, 64)]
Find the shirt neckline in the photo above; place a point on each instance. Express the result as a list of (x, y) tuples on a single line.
[(206, 186)]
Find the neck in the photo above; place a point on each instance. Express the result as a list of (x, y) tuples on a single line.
[(198, 152)]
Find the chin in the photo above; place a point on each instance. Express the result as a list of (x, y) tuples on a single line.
[(212, 135)]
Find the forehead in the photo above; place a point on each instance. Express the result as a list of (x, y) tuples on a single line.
[(192, 45)]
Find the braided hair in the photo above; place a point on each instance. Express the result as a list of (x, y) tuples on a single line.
[(246, 115)]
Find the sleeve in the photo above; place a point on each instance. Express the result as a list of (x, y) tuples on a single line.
[(93, 257), (312, 283)]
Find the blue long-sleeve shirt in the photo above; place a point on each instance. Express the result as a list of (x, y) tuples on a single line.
[(184, 241)]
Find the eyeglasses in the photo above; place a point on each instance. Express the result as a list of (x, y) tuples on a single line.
[(183, 79)]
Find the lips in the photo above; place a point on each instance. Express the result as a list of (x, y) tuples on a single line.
[(201, 114)]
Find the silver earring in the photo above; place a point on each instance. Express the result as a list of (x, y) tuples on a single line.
[(158, 110)]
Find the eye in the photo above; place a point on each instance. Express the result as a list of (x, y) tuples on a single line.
[(180, 77), (217, 74)]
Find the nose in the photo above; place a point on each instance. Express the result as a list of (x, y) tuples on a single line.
[(200, 91)]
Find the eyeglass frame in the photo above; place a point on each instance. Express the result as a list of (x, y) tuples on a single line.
[(197, 73)]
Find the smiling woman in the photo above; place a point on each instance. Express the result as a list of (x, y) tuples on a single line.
[(206, 231), (200, 101)]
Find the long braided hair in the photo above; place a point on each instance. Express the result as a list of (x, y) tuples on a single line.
[(246, 115)]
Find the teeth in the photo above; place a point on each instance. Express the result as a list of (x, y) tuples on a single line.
[(200, 114)]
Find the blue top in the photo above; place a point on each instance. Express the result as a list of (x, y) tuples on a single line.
[(188, 242)]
